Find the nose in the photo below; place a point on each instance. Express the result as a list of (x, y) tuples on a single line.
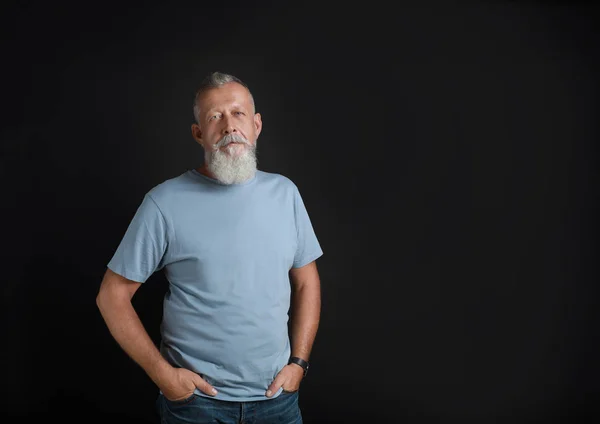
[(228, 127)]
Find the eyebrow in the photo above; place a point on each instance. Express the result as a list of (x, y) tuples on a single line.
[(234, 106)]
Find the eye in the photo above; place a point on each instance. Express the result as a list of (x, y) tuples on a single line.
[(213, 117), (238, 113)]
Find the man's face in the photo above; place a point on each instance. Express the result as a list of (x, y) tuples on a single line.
[(227, 110), (228, 130)]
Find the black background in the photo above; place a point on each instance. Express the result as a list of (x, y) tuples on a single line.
[(446, 155)]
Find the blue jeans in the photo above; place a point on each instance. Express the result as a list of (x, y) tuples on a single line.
[(283, 409)]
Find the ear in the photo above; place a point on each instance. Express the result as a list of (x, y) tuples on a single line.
[(197, 134), (257, 123)]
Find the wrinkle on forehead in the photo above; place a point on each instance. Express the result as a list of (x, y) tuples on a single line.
[(225, 97)]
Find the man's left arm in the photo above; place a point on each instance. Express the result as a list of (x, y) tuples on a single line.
[(305, 315)]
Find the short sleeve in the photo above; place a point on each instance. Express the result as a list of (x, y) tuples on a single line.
[(144, 244), (308, 247)]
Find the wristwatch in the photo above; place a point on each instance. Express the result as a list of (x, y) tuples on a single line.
[(299, 361)]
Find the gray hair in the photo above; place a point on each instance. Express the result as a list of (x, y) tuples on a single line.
[(215, 80)]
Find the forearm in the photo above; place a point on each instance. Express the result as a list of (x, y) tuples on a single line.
[(127, 329), (305, 315)]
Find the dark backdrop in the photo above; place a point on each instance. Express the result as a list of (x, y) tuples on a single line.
[(445, 152)]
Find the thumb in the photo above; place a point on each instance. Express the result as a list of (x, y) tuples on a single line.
[(275, 385), (203, 386)]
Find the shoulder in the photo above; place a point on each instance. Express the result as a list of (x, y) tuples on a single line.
[(279, 180), (164, 191)]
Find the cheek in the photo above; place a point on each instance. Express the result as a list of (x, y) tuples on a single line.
[(212, 137), (251, 132)]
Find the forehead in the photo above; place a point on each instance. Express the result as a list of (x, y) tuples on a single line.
[(227, 95)]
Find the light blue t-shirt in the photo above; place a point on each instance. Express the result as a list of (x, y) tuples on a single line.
[(226, 251)]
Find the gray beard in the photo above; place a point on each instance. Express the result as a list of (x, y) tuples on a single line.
[(234, 169)]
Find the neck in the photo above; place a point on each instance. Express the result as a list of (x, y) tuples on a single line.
[(204, 170)]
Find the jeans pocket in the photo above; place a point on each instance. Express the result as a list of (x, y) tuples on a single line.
[(286, 393), (180, 402)]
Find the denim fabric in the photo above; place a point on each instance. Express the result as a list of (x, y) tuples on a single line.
[(283, 409)]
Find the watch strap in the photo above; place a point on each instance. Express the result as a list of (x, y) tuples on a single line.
[(299, 361)]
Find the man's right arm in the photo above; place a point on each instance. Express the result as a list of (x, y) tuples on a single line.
[(114, 302), (124, 324)]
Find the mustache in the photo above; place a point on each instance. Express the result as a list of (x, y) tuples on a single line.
[(231, 138)]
